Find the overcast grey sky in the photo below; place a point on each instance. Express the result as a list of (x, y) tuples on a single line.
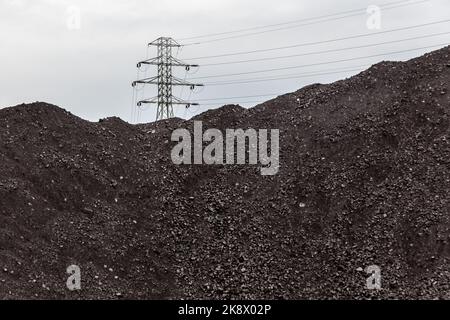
[(87, 67)]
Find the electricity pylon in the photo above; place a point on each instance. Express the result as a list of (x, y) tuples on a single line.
[(165, 80)]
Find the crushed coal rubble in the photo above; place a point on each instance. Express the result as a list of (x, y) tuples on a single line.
[(364, 180)]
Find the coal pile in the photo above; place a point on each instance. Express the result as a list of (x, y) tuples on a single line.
[(364, 180)]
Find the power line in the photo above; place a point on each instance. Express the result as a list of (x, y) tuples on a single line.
[(297, 74), (279, 78), (387, 7), (323, 41), (408, 2), (320, 63), (271, 25), (326, 51), (240, 97), (304, 44), (281, 93), (235, 102), (279, 24)]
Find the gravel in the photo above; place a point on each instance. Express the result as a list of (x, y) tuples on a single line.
[(364, 180)]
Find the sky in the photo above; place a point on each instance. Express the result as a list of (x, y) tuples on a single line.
[(81, 55)]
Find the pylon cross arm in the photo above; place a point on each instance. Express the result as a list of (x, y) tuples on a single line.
[(145, 81)]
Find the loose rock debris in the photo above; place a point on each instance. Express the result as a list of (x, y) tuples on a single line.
[(364, 180)]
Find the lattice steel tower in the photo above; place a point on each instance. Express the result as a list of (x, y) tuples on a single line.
[(165, 80)]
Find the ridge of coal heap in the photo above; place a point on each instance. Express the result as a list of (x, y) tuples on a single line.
[(364, 180)]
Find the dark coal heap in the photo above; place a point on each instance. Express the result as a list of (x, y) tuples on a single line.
[(364, 180)]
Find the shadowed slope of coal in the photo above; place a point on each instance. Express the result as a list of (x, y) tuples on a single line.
[(364, 180)]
